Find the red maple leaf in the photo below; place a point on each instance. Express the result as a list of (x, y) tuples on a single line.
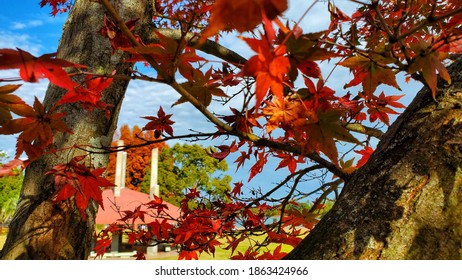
[(243, 121), (366, 154), (282, 114), (289, 161), (102, 245), (133, 215), (429, 64), (115, 35), (90, 95), (188, 255), (75, 179), (241, 159), (258, 166), (369, 73), (61, 6), (169, 54), (157, 203), (160, 229), (32, 69), (237, 188), (275, 255), (139, 256), (284, 238), (378, 107), (160, 123), (249, 254), (225, 150)]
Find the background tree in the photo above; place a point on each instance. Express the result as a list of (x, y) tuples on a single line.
[(190, 166), (10, 186), (402, 201), (180, 167), (138, 160)]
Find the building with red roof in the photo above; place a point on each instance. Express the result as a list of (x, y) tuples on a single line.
[(127, 200), (119, 199)]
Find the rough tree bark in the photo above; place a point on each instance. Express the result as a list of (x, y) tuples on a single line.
[(41, 230), (406, 202)]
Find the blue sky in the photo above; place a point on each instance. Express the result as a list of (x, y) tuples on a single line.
[(25, 25)]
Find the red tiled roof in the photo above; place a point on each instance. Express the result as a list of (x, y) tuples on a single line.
[(128, 200)]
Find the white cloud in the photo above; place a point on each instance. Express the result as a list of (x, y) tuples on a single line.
[(22, 41), (17, 25)]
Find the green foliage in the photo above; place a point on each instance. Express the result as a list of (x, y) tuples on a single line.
[(10, 187), (188, 166)]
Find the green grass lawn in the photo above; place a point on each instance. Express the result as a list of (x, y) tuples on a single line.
[(220, 253)]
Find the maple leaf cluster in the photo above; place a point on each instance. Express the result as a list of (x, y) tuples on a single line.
[(76, 180), (38, 124), (57, 6), (204, 225)]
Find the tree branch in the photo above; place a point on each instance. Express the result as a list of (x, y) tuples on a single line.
[(209, 47), (209, 115), (359, 128)]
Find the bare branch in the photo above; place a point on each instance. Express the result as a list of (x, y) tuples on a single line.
[(359, 128), (208, 46)]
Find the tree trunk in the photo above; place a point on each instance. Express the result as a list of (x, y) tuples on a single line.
[(40, 229), (406, 202)]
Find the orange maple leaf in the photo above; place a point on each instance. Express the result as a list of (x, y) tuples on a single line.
[(269, 67), (281, 113), (36, 127), (241, 15), (428, 64), (6, 99), (323, 133), (369, 73)]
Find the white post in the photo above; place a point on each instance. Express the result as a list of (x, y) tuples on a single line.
[(119, 181), (124, 170), (154, 187), (119, 170), (153, 191)]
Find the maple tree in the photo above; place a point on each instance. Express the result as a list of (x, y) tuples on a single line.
[(179, 167), (290, 112), (139, 159)]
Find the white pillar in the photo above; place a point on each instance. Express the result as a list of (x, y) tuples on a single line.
[(124, 170), (153, 191), (154, 187), (119, 170)]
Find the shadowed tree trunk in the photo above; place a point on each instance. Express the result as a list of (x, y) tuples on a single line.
[(406, 202), (41, 230)]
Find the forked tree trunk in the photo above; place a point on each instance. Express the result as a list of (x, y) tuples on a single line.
[(41, 230), (406, 202)]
